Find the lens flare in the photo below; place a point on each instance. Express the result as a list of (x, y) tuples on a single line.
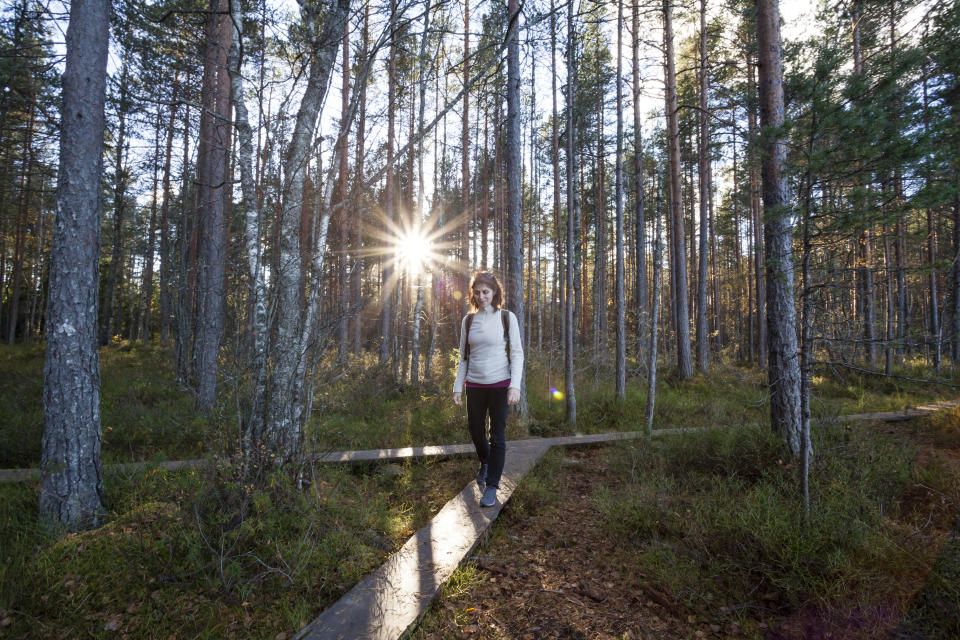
[(413, 250), (557, 394)]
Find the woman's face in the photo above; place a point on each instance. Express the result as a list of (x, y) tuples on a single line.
[(483, 294)]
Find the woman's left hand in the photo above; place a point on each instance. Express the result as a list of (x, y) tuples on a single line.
[(513, 396)]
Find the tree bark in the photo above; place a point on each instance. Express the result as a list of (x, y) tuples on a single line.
[(678, 248), (759, 289), (654, 314), (387, 285), (572, 213), (254, 422), (109, 325), (285, 416), (620, 366), (784, 367), (211, 178), (514, 271), (356, 245), (703, 171), (425, 72), (165, 255), (71, 485), (151, 238), (343, 217), (639, 221)]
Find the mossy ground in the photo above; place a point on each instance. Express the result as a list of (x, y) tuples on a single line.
[(221, 551)]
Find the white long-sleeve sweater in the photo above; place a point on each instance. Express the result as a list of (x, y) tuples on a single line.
[(488, 354)]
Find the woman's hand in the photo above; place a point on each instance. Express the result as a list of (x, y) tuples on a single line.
[(513, 396), (457, 398)]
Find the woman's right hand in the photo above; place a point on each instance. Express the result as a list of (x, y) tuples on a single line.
[(457, 398)]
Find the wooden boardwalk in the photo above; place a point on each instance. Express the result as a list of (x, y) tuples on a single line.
[(405, 453), (385, 604)]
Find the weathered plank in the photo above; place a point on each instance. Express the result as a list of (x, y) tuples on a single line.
[(404, 453), (385, 603)]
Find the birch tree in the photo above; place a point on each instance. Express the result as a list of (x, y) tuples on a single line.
[(323, 23)]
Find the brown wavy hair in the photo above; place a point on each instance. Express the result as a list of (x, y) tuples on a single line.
[(487, 278)]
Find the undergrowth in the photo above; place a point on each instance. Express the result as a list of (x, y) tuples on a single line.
[(715, 520), (214, 552), (144, 413)]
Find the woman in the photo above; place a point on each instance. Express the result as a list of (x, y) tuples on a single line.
[(491, 368)]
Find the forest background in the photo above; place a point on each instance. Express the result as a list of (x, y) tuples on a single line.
[(261, 229), (295, 195)]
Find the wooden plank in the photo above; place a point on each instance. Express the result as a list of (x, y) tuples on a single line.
[(388, 601), (404, 453)]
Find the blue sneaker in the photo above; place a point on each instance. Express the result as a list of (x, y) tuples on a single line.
[(482, 476), (489, 497)]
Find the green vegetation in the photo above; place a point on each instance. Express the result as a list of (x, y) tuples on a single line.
[(710, 517), (144, 413), (715, 519), (214, 552)]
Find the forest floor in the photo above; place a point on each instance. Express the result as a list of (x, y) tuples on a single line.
[(694, 534), (555, 568)]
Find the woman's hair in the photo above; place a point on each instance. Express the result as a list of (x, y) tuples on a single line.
[(486, 278)]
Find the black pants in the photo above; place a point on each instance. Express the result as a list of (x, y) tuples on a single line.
[(480, 402)]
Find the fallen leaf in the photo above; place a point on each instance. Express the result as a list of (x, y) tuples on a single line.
[(114, 623), (280, 636), (593, 594)]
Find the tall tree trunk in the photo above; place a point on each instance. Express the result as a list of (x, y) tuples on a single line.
[(654, 313), (784, 367), (806, 347), (678, 248), (386, 311), (639, 221), (955, 353), (760, 294), (934, 297), (425, 72), (23, 200), (151, 238), (465, 165), (286, 410), (165, 255), (599, 297), (211, 178), (254, 422), (108, 318), (703, 170), (356, 245), (620, 366), (343, 217), (514, 271), (572, 213), (71, 485), (888, 263)]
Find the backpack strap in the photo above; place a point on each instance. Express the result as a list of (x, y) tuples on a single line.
[(466, 341), (505, 319)]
